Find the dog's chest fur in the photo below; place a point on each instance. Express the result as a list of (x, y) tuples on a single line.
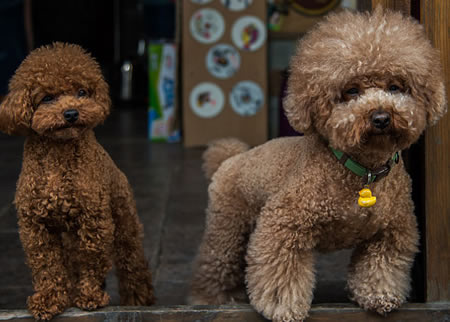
[(59, 190), (354, 223), (68, 183), (307, 184)]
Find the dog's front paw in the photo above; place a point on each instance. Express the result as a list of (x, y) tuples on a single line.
[(91, 298), (137, 294), (380, 303), (278, 312), (284, 314), (45, 305)]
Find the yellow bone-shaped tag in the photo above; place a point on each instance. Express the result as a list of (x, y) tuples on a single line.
[(366, 199)]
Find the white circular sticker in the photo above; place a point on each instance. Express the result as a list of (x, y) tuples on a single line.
[(246, 98), (248, 33), (237, 5), (206, 100), (201, 1), (223, 61), (207, 25)]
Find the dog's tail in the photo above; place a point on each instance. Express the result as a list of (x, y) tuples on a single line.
[(219, 151)]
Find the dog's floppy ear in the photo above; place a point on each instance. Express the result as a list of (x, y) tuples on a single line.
[(16, 112), (427, 85), (437, 103), (305, 96), (101, 96), (297, 107)]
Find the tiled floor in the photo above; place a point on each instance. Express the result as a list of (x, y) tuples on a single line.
[(170, 192)]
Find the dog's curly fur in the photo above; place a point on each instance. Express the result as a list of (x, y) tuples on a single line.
[(271, 207), (75, 208)]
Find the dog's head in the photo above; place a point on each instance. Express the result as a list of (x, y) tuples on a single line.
[(58, 91), (366, 81)]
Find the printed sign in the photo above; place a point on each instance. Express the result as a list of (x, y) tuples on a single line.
[(248, 33), (223, 61), (246, 98), (207, 25), (237, 5), (206, 100)]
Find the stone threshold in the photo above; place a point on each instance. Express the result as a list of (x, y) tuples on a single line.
[(434, 312)]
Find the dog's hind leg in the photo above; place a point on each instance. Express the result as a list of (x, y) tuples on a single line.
[(135, 279), (70, 244), (220, 264), (92, 256)]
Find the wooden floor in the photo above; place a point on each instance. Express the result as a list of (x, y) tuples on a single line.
[(170, 192)]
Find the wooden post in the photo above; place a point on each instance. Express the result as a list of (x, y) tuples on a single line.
[(435, 17), (397, 5)]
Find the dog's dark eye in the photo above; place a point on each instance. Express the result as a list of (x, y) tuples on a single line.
[(82, 93), (394, 88), (352, 91), (48, 99)]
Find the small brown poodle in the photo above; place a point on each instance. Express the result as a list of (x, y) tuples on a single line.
[(362, 88), (75, 208)]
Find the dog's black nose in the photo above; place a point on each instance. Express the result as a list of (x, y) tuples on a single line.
[(380, 119), (71, 115)]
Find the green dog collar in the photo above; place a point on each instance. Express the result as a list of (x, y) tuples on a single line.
[(370, 175)]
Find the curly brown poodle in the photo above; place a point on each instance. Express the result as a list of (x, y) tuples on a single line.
[(75, 208), (362, 88)]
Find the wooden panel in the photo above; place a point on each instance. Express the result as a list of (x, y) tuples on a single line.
[(198, 131), (435, 16), (284, 35), (276, 78), (364, 5), (398, 5), (319, 313)]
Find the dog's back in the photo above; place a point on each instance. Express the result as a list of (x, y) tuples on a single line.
[(261, 171)]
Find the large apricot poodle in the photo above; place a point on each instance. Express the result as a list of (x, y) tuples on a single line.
[(75, 208), (362, 88)]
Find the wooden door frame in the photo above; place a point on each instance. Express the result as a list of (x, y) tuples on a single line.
[(434, 16)]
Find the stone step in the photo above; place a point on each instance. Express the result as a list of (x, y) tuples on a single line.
[(434, 312)]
